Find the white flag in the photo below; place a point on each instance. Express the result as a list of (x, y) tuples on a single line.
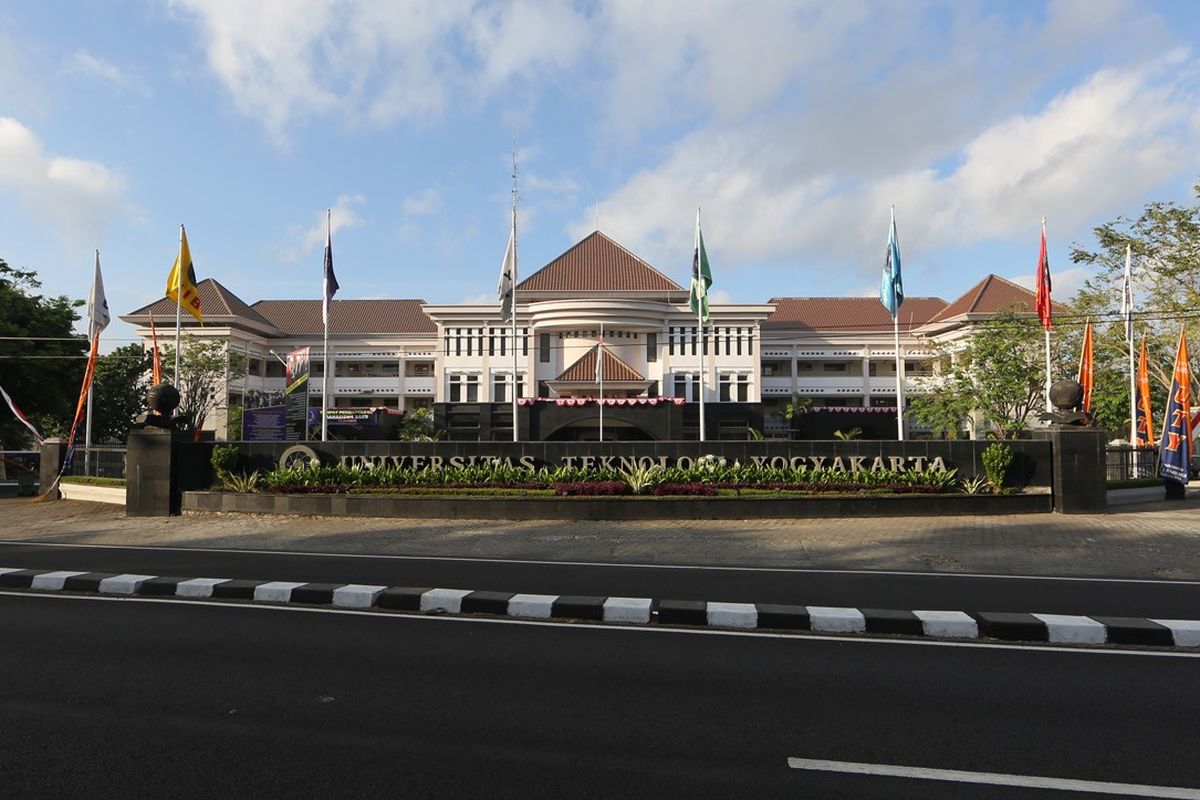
[(508, 275), (97, 305), (1127, 295)]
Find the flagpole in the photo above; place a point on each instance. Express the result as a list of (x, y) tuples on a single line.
[(700, 330), (325, 346), (899, 377), (515, 427), (87, 433), (1127, 301), (1049, 304), (600, 375), (178, 303)]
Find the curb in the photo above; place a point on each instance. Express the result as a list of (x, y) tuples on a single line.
[(933, 624)]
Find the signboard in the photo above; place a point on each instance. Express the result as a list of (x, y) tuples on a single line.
[(295, 396), (263, 418)]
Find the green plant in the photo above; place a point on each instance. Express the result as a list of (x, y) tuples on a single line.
[(241, 483), (755, 434), (974, 485), (224, 460), (997, 458), (853, 433), (642, 479)]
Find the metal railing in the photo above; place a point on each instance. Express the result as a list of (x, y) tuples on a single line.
[(101, 461), (1126, 463)]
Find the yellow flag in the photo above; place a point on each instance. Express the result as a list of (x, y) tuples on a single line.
[(191, 295)]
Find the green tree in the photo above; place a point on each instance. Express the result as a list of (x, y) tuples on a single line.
[(417, 426), (41, 357), (205, 368), (119, 392), (1165, 245), (999, 374)]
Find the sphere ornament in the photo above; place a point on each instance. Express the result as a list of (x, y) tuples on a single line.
[(163, 399), (1066, 395)]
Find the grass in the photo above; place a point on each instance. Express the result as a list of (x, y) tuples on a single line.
[(88, 480)]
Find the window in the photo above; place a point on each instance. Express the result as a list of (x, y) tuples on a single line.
[(735, 387), (418, 369), (274, 369), (544, 348), (419, 402), (835, 366), (686, 386), (389, 369), (671, 340), (500, 383), (464, 388), (804, 366), (651, 347)]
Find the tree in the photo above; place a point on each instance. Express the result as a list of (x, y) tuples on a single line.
[(205, 368), (41, 357), (417, 426), (119, 392), (1165, 245), (999, 374)]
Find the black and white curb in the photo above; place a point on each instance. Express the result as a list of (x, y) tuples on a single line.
[(956, 625)]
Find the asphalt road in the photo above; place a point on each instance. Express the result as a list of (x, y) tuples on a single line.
[(1161, 599), (106, 698)]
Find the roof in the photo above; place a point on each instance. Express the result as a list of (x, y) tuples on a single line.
[(991, 295), (849, 313), (598, 264), (217, 303), (584, 370), (297, 317)]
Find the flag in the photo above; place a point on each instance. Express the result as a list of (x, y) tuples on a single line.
[(1175, 446), (88, 373), (183, 272), (1042, 303), (1086, 372), (37, 437), (97, 305), (891, 289), (600, 359), (508, 275), (156, 376), (1127, 296), (329, 282), (1145, 420), (701, 276)]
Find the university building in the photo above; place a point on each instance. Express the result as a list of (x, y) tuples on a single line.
[(598, 301)]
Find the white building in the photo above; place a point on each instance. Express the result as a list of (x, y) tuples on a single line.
[(597, 299)]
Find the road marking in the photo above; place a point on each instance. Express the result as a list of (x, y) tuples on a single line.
[(993, 779), (798, 637), (616, 564)]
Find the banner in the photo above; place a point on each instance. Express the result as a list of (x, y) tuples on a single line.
[(295, 395)]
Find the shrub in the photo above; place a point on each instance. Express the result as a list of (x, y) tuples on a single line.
[(592, 488), (224, 459), (700, 489), (997, 458), (642, 479)]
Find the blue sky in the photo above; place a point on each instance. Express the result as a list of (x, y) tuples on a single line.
[(793, 124)]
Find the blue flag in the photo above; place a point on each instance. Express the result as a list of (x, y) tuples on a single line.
[(891, 288), (1175, 446)]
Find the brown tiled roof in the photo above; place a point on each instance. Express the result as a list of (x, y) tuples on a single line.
[(849, 313), (584, 370), (217, 304), (991, 295), (598, 264), (347, 316)]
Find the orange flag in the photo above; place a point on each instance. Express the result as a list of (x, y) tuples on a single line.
[(156, 374), (88, 374), (1086, 372), (1145, 422)]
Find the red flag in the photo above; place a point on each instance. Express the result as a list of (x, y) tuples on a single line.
[(1043, 283), (88, 374), (1086, 373), (156, 374), (1145, 422)]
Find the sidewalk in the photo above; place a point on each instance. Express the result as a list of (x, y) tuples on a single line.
[(1157, 540)]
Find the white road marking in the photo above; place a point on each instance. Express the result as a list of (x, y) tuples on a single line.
[(832, 619), (952, 624), (52, 581), (533, 606), (648, 629), (627, 609), (993, 779), (123, 584), (356, 595), (733, 615), (1185, 631), (448, 600), (1069, 629), (275, 591), (614, 564), (5, 570), (198, 587)]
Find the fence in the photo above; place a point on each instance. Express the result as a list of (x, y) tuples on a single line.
[(1127, 463), (100, 461)]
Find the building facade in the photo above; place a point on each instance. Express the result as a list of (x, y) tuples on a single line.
[(595, 302)]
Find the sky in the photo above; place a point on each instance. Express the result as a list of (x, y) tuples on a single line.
[(795, 126)]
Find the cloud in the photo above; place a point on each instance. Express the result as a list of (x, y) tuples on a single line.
[(425, 204), (1064, 283), (86, 64), (305, 241), (75, 197)]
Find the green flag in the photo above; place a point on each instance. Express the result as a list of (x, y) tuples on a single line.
[(701, 276)]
